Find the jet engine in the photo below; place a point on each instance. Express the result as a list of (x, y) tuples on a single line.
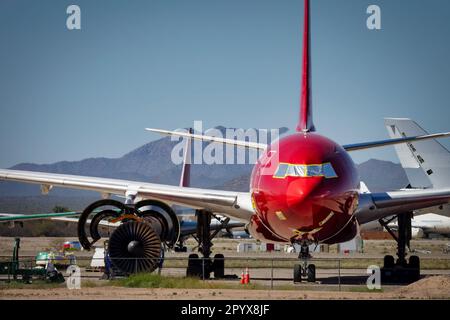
[(135, 245)]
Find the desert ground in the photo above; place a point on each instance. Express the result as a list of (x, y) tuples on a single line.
[(435, 287), (271, 275)]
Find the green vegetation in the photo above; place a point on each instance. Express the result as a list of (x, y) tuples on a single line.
[(92, 284), (148, 280), (43, 284), (345, 263), (364, 289), (36, 284)]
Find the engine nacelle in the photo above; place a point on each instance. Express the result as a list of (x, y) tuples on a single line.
[(158, 215), (162, 219), (135, 245), (417, 233)]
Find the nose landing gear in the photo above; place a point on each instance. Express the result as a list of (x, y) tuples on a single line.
[(303, 270)]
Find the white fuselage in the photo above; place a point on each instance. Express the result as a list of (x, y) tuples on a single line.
[(428, 223)]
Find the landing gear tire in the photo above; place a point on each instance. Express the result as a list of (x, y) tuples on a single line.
[(389, 262), (414, 264), (219, 266), (311, 273), (198, 267), (297, 273), (194, 268)]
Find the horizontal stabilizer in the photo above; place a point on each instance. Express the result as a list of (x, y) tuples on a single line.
[(388, 142), (246, 144)]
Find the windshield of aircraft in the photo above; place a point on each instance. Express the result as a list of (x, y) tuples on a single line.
[(305, 170)]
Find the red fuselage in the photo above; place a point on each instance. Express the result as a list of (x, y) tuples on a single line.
[(304, 188)]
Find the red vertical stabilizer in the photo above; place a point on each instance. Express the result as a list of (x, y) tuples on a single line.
[(305, 123)]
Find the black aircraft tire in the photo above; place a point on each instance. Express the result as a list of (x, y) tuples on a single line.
[(297, 273), (389, 262), (311, 273), (219, 266), (194, 268), (414, 263)]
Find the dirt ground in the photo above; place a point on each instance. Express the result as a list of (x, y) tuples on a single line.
[(436, 287)]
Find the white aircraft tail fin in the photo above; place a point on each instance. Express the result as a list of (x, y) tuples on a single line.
[(426, 163), (363, 188)]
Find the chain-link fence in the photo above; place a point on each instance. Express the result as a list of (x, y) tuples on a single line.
[(271, 272)]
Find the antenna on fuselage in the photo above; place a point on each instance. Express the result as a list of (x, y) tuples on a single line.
[(305, 123)]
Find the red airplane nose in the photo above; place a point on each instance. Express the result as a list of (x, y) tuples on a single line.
[(299, 190), (304, 194)]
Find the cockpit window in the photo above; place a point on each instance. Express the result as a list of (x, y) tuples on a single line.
[(315, 170), (305, 170), (328, 170), (281, 171), (299, 170)]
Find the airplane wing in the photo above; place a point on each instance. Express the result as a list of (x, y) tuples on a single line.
[(236, 205), (374, 206), (7, 217), (65, 217), (186, 227)]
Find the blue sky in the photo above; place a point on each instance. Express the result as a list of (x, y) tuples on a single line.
[(69, 95)]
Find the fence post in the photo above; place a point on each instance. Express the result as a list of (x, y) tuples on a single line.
[(203, 269), (9, 272), (159, 267), (339, 276), (271, 276)]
